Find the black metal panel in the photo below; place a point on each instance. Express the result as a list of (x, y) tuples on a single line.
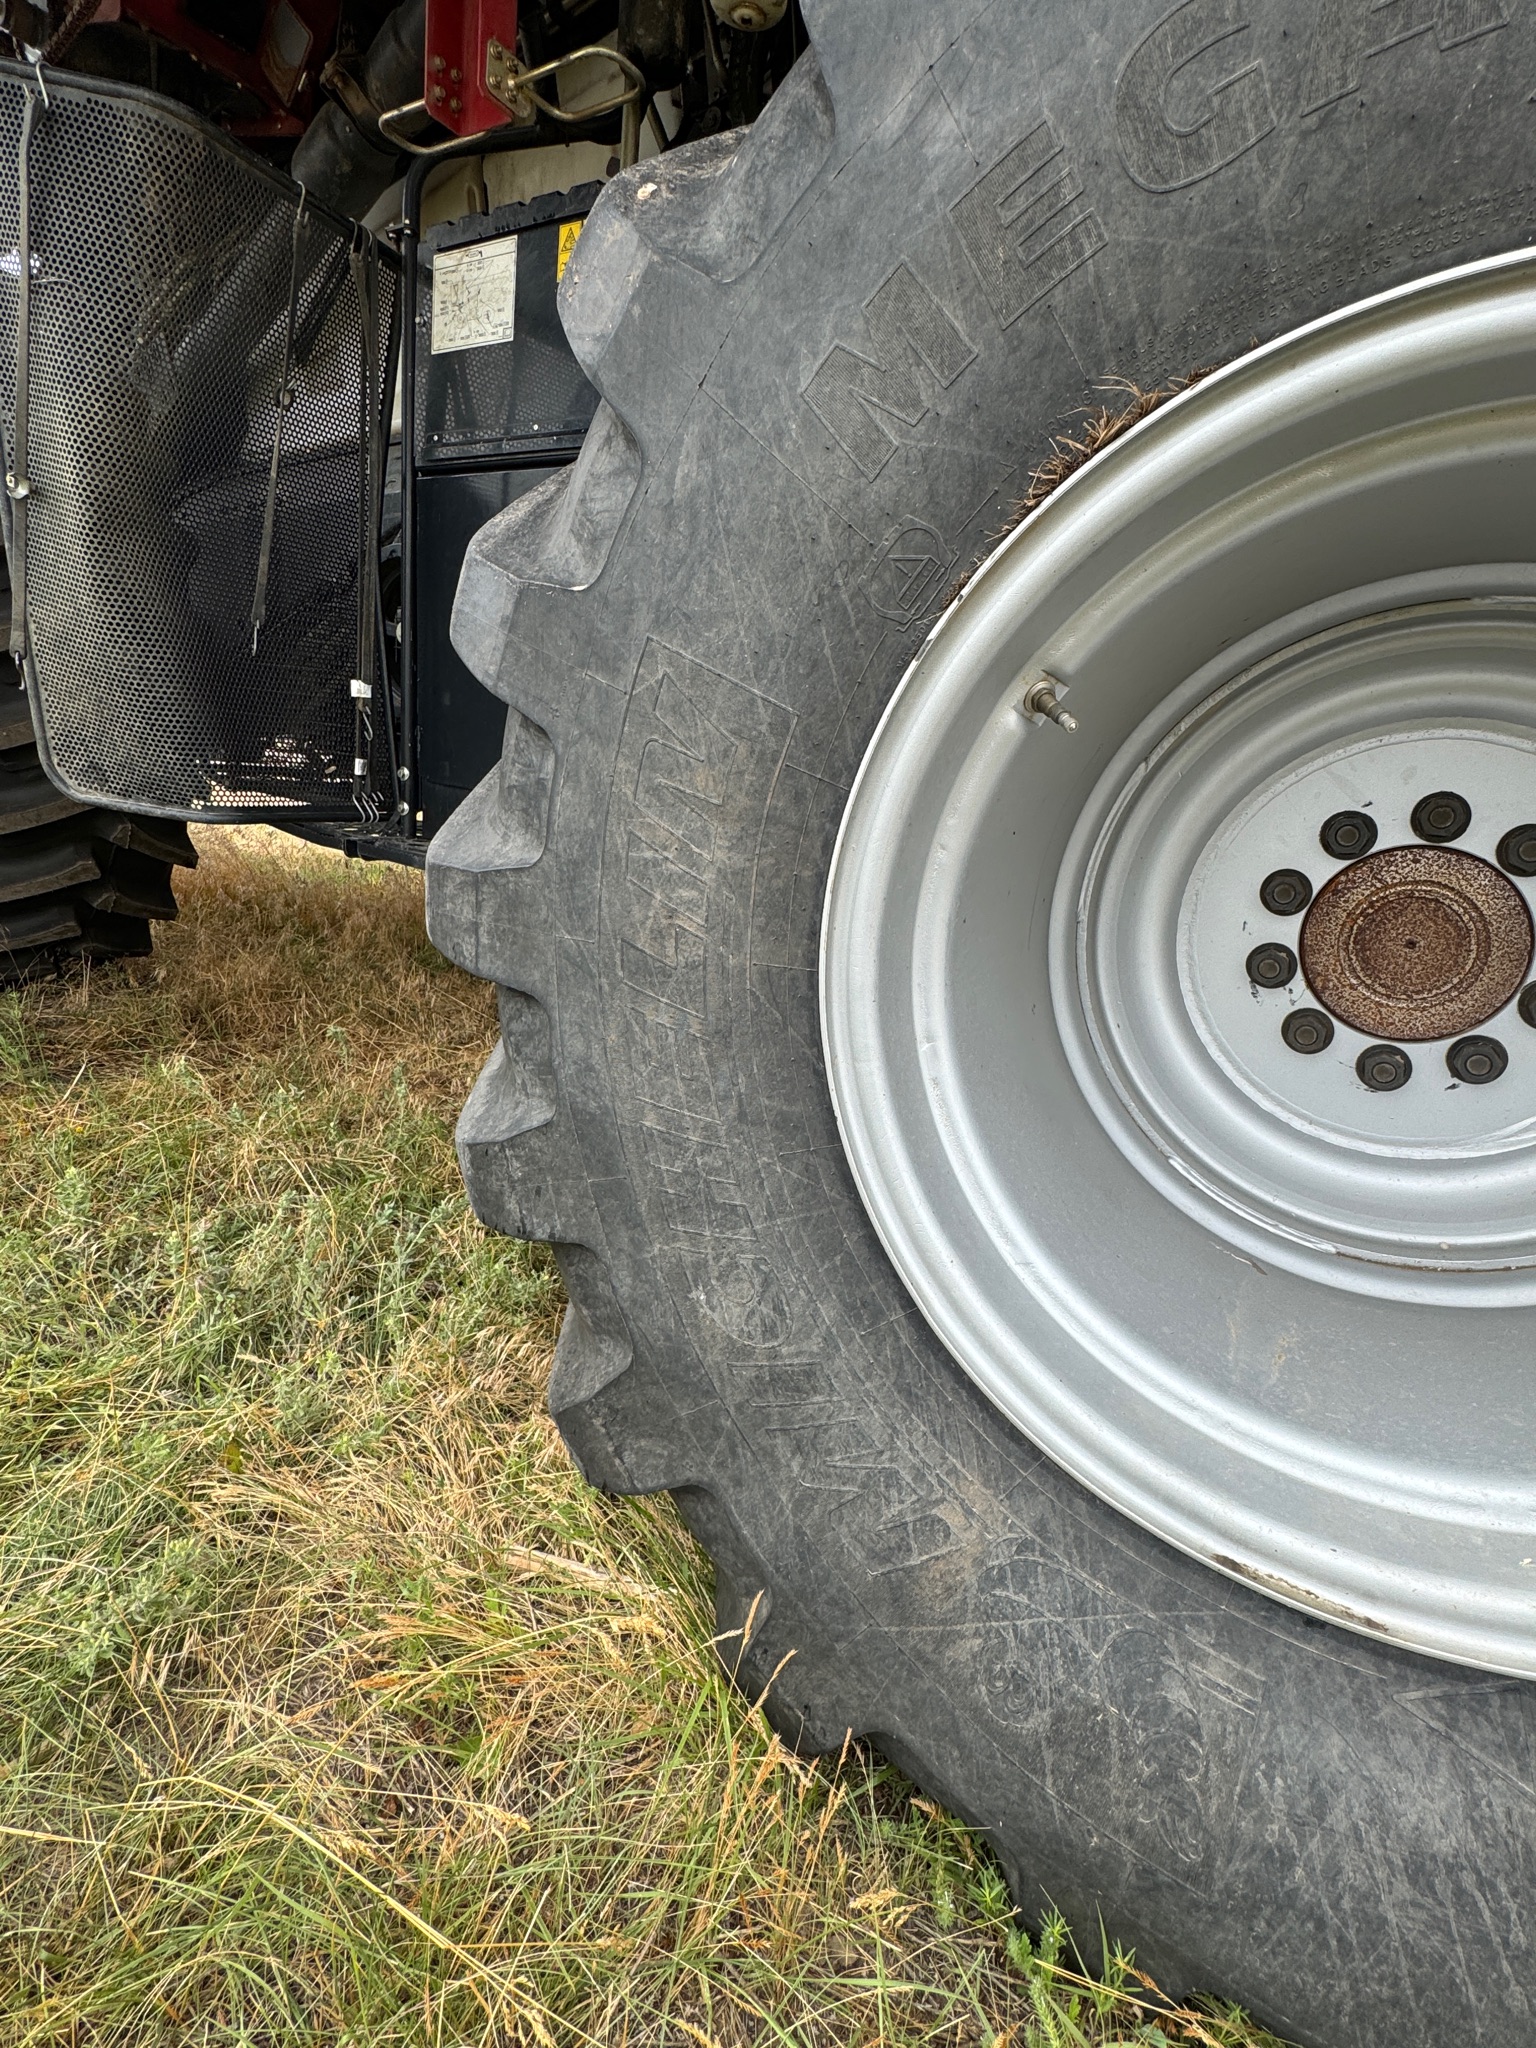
[(460, 722), (523, 396), (489, 421), (176, 284)]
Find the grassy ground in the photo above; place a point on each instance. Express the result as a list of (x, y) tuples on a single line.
[(333, 1706)]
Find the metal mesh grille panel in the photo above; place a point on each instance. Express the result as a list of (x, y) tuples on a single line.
[(162, 258)]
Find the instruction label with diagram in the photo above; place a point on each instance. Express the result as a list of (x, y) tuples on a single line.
[(474, 295)]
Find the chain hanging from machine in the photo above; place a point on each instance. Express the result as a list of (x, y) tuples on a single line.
[(284, 405), (372, 435)]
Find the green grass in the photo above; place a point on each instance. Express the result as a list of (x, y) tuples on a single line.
[(334, 1708)]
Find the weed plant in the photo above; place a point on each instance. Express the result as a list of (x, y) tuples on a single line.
[(334, 1707)]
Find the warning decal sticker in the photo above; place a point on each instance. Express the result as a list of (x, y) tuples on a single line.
[(474, 295)]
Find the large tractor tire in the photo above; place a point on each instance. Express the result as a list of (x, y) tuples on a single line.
[(77, 883), (842, 1013)]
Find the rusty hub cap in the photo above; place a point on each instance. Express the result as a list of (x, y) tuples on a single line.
[(1417, 942)]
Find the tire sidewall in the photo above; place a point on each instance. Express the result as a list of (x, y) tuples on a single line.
[(1139, 1735)]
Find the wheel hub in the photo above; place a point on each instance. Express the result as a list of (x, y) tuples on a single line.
[(1416, 943), (1221, 1035)]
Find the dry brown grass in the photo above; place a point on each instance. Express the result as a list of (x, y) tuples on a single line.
[(334, 1708), (281, 943)]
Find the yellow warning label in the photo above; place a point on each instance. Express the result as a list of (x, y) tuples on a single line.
[(569, 230)]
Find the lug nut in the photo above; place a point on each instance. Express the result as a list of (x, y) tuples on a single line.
[(1441, 816), (1517, 851), (1307, 1031), (1383, 1068), (1477, 1060), (1527, 1004), (1286, 892), (1271, 965), (1348, 834)]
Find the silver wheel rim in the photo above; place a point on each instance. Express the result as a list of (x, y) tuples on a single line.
[(1284, 1319)]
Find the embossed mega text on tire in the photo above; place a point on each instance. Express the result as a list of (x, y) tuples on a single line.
[(1031, 1073)]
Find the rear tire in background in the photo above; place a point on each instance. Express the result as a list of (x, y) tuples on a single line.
[(832, 353), (77, 883)]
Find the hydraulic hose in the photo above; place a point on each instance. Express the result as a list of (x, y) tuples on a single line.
[(340, 157)]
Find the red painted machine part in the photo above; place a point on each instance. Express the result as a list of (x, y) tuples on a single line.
[(454, 82), (296, 38)]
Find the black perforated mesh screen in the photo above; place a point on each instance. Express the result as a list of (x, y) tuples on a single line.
[(163, 262)]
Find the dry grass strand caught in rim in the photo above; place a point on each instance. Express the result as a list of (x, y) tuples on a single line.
[(1101, 425)]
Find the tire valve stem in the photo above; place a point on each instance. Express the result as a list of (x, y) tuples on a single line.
[(1040, 701)]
